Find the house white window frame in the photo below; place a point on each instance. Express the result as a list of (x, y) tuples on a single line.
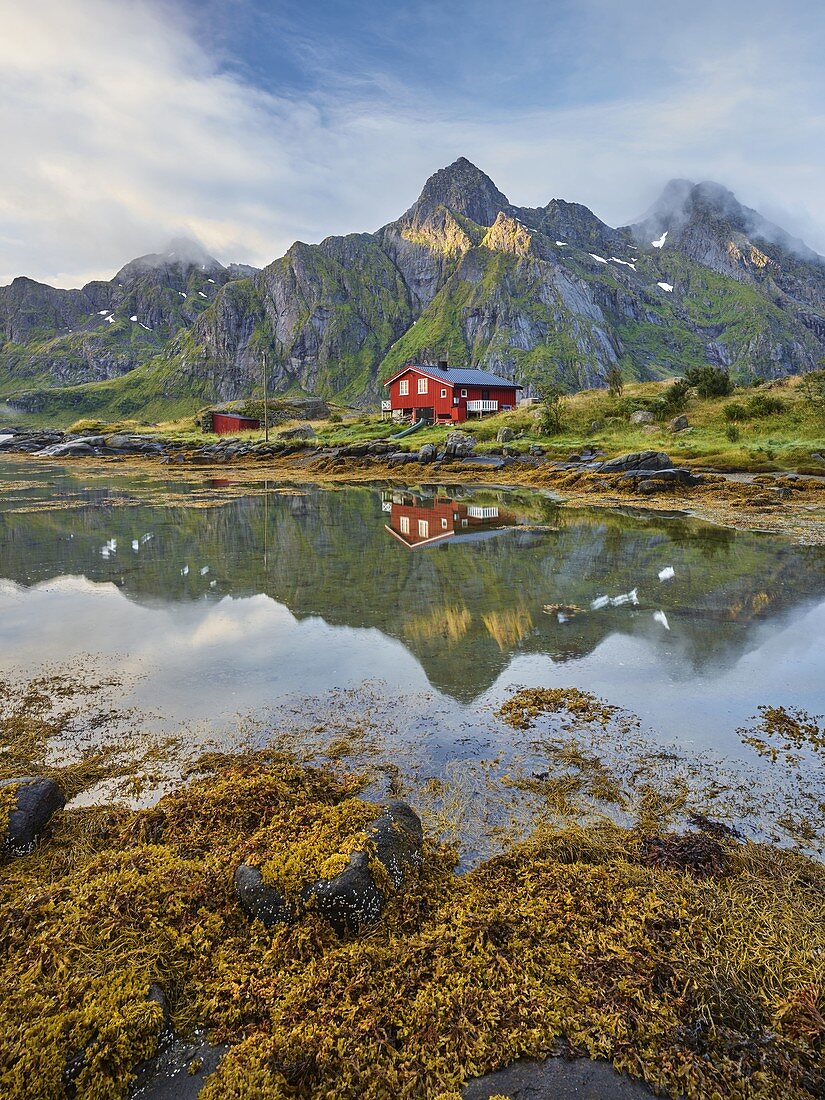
[(404, 387), (444, 393), (444, 524), (423, 528), (404, 524), (422, 385), (463, 393)]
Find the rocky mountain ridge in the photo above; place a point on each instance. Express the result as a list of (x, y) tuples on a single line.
[(107, 328), (532, 293)]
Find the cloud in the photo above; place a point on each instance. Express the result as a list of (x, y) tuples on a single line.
[(126, 123)]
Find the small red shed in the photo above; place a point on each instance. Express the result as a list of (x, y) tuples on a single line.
[(224, 423), (443, 394)]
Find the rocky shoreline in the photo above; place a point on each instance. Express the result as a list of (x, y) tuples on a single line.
[(790, 504)]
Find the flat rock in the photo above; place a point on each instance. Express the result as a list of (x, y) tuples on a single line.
[(556, 1079), (641, 416)]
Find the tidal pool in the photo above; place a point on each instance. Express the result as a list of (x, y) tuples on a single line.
[(422, 609)]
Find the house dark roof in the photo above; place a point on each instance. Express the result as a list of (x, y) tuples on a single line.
[(458, 376)]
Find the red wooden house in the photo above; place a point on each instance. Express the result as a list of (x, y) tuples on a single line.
[(444, 394)]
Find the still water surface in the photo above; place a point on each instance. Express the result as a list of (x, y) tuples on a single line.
[(428, 605)]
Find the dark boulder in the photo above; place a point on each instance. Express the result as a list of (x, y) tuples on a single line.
[(637, 460), (37, 799), (352, 898), (261, 902)]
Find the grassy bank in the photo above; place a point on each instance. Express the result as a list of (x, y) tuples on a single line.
[(691, 960), (770, 428)]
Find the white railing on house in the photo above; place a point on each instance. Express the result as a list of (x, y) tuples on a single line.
[(476, 511), (482, 406), (386, 406)]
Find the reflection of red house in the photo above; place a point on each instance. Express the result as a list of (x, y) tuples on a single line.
[(417, 522), (443, 393)]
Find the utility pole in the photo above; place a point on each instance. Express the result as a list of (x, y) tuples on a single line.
[(266, 402)]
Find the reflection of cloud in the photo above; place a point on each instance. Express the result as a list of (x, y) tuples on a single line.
[(244, 621), (195, 660)]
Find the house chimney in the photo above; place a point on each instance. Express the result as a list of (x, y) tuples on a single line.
[(443, 364)]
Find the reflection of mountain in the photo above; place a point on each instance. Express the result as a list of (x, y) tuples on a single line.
[(463, 608)]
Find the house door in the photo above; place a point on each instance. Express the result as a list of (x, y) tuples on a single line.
[(485, 395)]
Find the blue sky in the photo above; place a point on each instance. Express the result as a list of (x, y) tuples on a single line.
[(251, 124)]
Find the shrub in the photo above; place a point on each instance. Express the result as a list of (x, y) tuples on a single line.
[(732, 432), (550, 409), (675, 397), (813, 389), (615, 380), (335, 418), (756, 407), (709, 381), (762, 404), (735, 410)]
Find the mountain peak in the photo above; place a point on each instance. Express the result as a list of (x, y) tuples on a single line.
[(684, 206), (462, 188), (182, 251)]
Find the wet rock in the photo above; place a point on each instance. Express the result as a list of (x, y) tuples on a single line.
[(678, 475), (641, 416), (259, 901), (556, 1079), (37, 800), (637, 460), (400, 457), (459, 444), (504, 435), (427, 453), (535, 450), (678, 424), (352, 898)]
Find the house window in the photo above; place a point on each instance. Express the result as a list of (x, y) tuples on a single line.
[(463, 393), (422, 385), (404, 524), (424, 528), (444, 524), (404, 387), (443, 393)]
